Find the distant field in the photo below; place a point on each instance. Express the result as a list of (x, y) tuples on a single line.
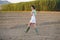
[(13, 25), (23, 17)]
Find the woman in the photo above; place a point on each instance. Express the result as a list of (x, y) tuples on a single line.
[(33, 19)]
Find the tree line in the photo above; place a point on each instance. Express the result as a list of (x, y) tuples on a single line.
[(41, 5)]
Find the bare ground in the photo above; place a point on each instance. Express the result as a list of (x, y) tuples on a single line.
[(14, 24)]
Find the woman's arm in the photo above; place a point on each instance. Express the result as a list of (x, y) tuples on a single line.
[(31, 14)]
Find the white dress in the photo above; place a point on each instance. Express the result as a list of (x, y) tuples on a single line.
[(33, 18)]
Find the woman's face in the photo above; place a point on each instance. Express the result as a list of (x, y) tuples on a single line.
[(31, 8)]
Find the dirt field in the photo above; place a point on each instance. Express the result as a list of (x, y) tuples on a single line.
[(14, 24)]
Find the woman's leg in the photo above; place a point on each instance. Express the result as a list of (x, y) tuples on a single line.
[(35, 27), (28, 27)]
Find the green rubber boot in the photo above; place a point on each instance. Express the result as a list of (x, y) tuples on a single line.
[(36, 31), (27, 29)]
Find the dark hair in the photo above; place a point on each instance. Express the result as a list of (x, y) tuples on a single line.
[(33, 6)]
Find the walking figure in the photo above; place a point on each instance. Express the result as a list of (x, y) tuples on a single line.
[(32, 22)]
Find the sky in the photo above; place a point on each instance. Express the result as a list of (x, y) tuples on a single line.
[(16, 1)]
